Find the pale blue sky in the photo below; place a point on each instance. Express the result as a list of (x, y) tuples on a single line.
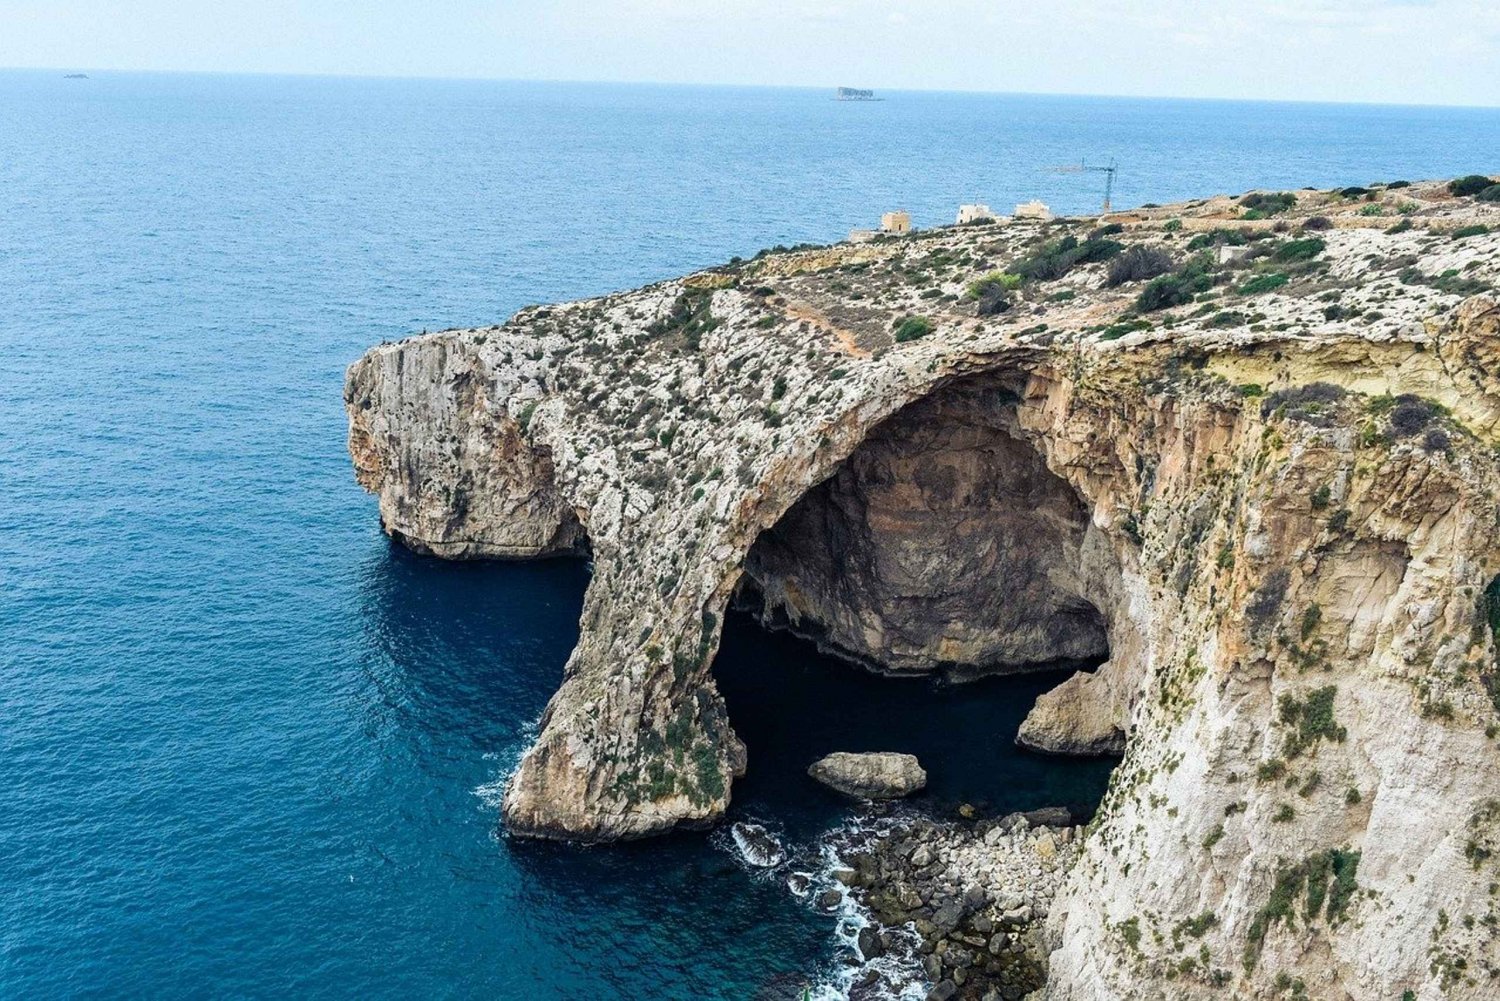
[(1408, 51)]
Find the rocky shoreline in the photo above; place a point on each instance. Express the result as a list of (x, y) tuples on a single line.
[(966, 900)]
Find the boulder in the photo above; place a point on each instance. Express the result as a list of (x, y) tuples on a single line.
[(877, 775), (1078, 717)]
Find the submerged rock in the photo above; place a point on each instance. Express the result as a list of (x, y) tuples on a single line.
[(871, 775)]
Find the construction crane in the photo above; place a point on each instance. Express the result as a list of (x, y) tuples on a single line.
[(1084, 168)]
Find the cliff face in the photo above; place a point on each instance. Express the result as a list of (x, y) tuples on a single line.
[(1273, 502)]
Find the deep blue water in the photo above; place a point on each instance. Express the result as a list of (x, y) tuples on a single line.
[(247, 747)]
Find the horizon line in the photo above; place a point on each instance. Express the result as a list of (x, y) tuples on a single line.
[(320, 75)]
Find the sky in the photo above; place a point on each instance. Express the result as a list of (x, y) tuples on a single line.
[(1387, 51)]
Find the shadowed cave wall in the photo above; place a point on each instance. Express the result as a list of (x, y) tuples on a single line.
[(943, 543)]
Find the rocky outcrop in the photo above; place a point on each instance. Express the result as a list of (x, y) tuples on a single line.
[(870, 775), (1284, 471), (1073, 718)]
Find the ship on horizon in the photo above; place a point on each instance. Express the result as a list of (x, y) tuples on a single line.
[(856, 94)]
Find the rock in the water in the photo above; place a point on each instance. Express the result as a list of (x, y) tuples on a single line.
[(757, 845), (1080, 716), (876, 775)]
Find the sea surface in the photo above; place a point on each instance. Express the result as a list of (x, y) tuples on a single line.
[(250, 749)]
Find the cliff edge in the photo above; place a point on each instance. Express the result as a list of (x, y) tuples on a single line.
[(1245, 449)]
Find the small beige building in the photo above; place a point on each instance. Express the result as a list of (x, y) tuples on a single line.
[(974, 213), (861, 235), (897, 222), (1033, 210)]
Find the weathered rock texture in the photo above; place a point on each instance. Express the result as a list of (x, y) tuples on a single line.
[(870, 775), (880, 562), (1074, 718), (1287, 485)]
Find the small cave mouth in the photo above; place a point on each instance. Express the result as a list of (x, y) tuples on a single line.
[(942, 545)]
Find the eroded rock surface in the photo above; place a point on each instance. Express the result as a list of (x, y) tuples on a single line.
[(1286, 480), (1074, 719), (871, 774), (944, 541)]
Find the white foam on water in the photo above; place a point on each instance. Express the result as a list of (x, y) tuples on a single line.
[(899, 973), (758, 846), (491, 794)]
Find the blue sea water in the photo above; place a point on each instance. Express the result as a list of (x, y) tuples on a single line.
[(247, 747)]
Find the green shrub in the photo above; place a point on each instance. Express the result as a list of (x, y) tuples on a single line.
[(1311, 720), (1300, 250), (1269, 202), (1327, 883), (1138, 264), (1056, 259), (1115, 331), (1175, 289), (1471, 184), (1004, 281), (1317, 222), (691, 316), (1097, 251), (913, 328), (1264, 283), (1215, 237), (1464, 232), (1490, 194)]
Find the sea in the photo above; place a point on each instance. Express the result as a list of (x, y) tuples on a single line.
[(251, 749)]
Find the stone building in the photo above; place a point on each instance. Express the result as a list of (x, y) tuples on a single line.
[(974, 213), (897, 222)]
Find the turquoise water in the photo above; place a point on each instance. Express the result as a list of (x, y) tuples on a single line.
[(247, 747)]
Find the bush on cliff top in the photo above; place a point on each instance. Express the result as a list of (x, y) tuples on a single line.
[(1300, 250), (1263, 283), (1056, 259), (1175, 289), (913, 328), (1269, 202), (1472, 184), (1138, 264), (1002, 281)]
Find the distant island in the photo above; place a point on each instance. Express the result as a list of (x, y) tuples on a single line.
[(855, 94), (75, 76)]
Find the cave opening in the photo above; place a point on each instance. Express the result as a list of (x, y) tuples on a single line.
[(942, 550)]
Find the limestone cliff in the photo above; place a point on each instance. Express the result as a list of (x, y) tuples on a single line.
[(1251, 459)]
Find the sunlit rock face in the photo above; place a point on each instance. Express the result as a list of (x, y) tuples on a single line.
[(1279, 518)]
